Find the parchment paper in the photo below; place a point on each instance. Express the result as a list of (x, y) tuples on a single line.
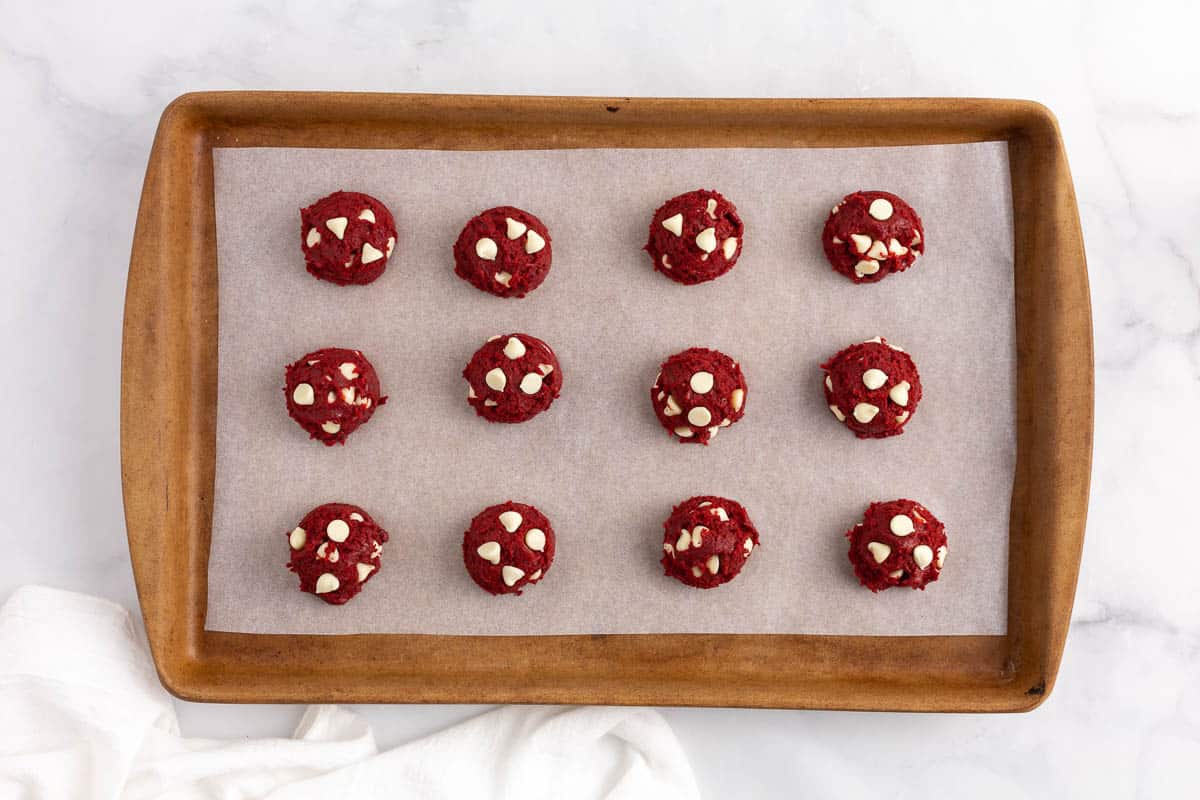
[(597, 463)]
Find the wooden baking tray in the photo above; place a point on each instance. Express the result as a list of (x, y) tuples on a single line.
[(169, 399)]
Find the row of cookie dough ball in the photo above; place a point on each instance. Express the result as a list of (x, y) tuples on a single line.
[(348, 238), (873, 388), (337, 548)]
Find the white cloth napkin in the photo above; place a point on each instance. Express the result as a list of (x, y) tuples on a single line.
[(82, 715)]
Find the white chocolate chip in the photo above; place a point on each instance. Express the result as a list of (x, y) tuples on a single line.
[(364, 401), (674, 224), (866, 267), (489, 551), (836, 240), (865, 412), (486, 249), (941, 556), (698, 535), (699, 416), (837, 412), (471, 392), (391, 244), (711, 208), (349, 261), (314, 361), (367, 214), (503, 278), (879, 551), (713, 564), (895, 248), (302, 395), (511, 520), (669, 548), (896, 573), (357, 517), (696, 570), (297, 538), (917, 514), (878, 250), (880, 209), (535, 576), (874, 378), (376, 549), (490, 403), (511, 574), (331, 398), (496, 379), (916, 238), (337, 225), (369, 254), (323, 554), (349, 370), (535, 539), (874, 340), (923, 555), (748, 545), (337, 530), (514, 229), (713, 431), (861, 242), (736, 397), (684, 541), (327, 582), (901, 525), (534, 243), (721, 513), (705, 504), (331, 427), (666, 261), (684, 432), (836, 209), (531, 383), (729, 247), (725, 423), (364, 570), (496, 337), (901, 417), (829, 383), (706, 240), (899, 393), (348, 395), (672, 407), (545, 369), (701, 382), (514, 348), (314, 237)]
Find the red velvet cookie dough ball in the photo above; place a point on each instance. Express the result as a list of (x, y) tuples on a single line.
[(898, 543), (335, 550), (508, 547), (347, 237), (331, 392), (504, 251), (697, 393), (870, 235), (706, 541), (695, 237), (512, 378), (873, 388)]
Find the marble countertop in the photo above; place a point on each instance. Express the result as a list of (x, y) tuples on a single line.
[(83, 86)]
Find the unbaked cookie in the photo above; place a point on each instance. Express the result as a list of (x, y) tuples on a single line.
[(706, 541), (871, 234), (504, 251), (512, 378), (898, 543), (347, 238), (330, 392), (698, 392), (695, 237), (508, 547), (873, 388), (336, 549)]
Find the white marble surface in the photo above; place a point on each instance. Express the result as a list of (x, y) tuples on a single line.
[(81, 91)]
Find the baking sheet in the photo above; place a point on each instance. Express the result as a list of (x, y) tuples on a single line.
[(597, 463)]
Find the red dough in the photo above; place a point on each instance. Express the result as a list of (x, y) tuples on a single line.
[(508, 547), (331, 392), (870, 235), (873, 388), (335, 550), (512, 378), (697, 393), (347, 238), (695, 237), (706, 541), (504, 251), (898, 543)]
